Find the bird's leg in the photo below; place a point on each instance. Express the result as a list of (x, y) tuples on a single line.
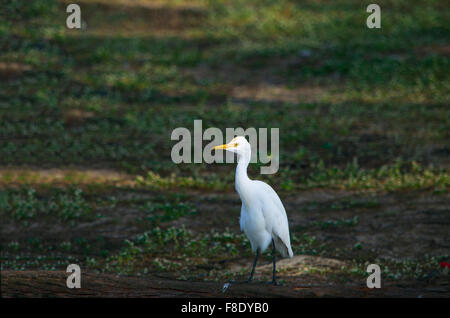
[(250, 279), (225, 287), (274, 258), (253, 267)]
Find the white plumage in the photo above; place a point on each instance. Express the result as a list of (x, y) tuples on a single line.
[(263, 217)]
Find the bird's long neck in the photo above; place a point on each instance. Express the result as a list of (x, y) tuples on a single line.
[(242, 179)]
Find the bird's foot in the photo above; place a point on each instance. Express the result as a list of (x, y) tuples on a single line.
[(274, 283), (225, 287), (234, 282)]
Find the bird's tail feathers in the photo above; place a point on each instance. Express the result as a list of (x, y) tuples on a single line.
[(286, 251), (291, 254)]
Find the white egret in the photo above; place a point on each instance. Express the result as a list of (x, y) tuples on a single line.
[(263, 217)]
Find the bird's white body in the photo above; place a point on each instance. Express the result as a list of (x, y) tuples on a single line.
[(263, 217)]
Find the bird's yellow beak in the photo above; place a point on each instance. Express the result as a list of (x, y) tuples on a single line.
[(221, 147)]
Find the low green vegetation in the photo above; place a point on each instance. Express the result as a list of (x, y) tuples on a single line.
[(336, 223), (399, 176), (86, 118), (25, 205), (165, 212), (175, 249)]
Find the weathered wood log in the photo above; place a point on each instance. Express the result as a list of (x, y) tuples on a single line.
[(53, 284)]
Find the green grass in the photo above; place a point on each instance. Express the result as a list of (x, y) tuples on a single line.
[(176, 249), (24, 205), (168, 211), (369, 114), (336, 223), (115, 100)]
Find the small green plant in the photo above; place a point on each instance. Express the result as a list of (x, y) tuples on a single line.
[(336, 223), (72, 206), (164, 212), (25, 204), (67, 246), (14, 246)]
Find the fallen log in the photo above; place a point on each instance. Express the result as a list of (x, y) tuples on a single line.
[(53, 284)]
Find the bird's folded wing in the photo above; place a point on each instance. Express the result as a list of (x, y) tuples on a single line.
[(276, 220)]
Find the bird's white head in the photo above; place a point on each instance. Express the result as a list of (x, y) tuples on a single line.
[(238, 145)]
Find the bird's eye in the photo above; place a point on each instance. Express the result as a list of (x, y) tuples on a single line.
[(236, 144)]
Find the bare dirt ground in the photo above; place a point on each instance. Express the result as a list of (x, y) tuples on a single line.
[(399, 227), (53, 284), (343, 228)]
